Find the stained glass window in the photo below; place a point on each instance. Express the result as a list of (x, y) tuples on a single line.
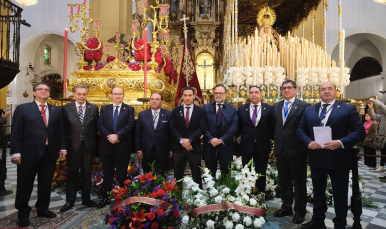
[(47, 54)]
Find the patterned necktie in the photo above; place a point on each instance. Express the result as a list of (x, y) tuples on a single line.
[(286, 111), (81, 114), (219, 115), (115, 119), (155, 114), (187, 116), (323, 114), (43, 111), (254, 116)]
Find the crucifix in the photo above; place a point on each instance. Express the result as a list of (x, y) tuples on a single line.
[(185, 64), (204, 66)]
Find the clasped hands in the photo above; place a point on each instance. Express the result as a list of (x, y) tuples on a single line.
[(370, 103), (333, 145), (215, 142), (186, 144), (113, 138)]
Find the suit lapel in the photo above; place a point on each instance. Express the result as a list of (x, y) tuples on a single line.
[(86, 113), (121, 112), (38, 114), (160, 118), (263, 113), (294, 108), (317, 109), (247, 114), (51, 114), (150, 118), (334, 111), (215, 114), (182, 115), (110, 110), (194, 112), (73, 108)]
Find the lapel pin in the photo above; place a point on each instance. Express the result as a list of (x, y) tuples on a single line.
[(88, 107), (124, 108), (246, 109), (180, 111), (338, 106), (295, 107), (162, 114), (264, 108)]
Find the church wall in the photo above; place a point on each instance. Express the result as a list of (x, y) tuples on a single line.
[(365, 88)]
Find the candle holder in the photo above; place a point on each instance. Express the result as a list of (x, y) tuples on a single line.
[(81, 44)]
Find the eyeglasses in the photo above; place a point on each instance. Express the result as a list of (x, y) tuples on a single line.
[(117, 93), (219, 93), (42, 89), (285, 88)]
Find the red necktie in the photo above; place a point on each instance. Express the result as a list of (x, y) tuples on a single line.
[(187, 116), (43, 111)]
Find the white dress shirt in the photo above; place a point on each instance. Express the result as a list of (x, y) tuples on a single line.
[(252, 110), (217, 105), (190, 110), (328, 110), (155, 114), (289, 106), (45, 108), (83, 106), (119, 108)]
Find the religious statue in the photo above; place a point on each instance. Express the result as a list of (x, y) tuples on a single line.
[(205, 6), (265, 19), (138, 5)]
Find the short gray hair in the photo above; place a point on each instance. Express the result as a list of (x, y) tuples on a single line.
[(220, 85), (80, 86)]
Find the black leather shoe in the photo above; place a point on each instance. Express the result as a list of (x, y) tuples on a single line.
[(46, 214), (67, 207), (298, 219), (282, 212), (314, 225), (89, 203), (103, 202), (23, 222)]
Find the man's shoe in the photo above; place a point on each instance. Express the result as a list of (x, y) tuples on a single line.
[(298, 219), (89, 203), (46, 214), (314, 225), (282, 212), (103, 202), (23, 222), (67, 207)]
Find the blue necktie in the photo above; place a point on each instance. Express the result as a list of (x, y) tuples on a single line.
[(115, 119), (286, 112), (323, 113)]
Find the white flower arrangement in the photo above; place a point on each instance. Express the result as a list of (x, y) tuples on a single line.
[(241, 181)]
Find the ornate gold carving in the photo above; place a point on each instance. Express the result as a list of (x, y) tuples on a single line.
[(266, 16), (115, 65)]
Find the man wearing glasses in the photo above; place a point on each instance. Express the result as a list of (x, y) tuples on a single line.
[(256, 129), (291, 154), (221, 127), (115, 123), (37, 140)]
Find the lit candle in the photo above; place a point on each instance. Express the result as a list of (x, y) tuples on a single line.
[(78, 9), (96, 25), (134, 26), (144, 2), (117, 37), (162, 10), (145, 63), (65, 62), (71, 9), (177, 39)]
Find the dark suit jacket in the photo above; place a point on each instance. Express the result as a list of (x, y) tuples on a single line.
[(125, 126), (285, 136), (261, 134), (146, 137), (346, 126), (29, 132), (228, 130), (194, 131), (74, 129)]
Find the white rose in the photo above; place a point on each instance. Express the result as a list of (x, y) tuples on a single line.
[(210, 224), (239, 226), (248, 221), (252, 202), (246, 197), (225, 190), (218, 199), (235, 217), (228, 225), (185, 219), (231, 199), (213, 192)]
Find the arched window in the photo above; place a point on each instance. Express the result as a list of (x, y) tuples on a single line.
[(365, 67), (47, 55)]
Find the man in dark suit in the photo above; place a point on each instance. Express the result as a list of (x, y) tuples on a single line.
[(152, 137), (291, 155), (256, 129), (187, 124), (333, 158), (221, 127), (80, 123), (115, 123), (37, 140)]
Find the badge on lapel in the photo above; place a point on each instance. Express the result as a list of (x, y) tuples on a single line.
[(124, 108), (162, 114), (181, 114), (246, 109), (296, 107), (88, 107), (338, 106)]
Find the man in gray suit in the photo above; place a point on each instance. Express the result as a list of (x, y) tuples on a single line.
[(80, 124)]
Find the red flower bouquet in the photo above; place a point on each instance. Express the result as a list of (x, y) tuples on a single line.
[(93, 43), (139, 55)]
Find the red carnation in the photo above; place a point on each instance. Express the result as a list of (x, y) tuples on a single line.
[(176, 214), (88, 67), (154, 195), (151, 216), (160, 212), (110, 58), (64, 178), (160, 192), (140, 54), (127, 181), (154, 225)]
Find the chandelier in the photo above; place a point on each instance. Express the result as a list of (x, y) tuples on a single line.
[(27, 2), (380, 1)]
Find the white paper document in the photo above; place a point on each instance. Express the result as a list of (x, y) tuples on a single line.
[(322, 135)]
